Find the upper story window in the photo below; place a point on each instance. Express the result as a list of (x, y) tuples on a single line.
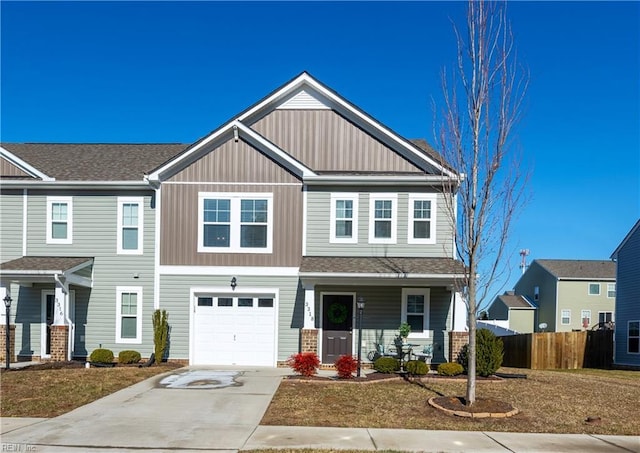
[(59, 220), (235, 222), (415, 311), (129, 314), (344, 218), (611, 290), (422, 219), (633, 337), (594, 289), (130, 221), (382, 218)]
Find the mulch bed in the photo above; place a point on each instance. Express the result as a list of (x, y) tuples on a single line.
[(481, 405), (67, 365)]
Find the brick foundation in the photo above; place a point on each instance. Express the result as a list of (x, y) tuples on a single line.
[(12, 343), (59, 343), (309, 340), (457, 340)]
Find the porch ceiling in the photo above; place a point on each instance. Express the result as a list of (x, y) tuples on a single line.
[(34, 269), (380, 269)]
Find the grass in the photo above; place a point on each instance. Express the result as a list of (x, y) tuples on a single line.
[(549, 401), (53, 392)]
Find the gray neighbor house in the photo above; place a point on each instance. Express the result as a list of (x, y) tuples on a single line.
[(627, 334), (257, 239), (564, 295)]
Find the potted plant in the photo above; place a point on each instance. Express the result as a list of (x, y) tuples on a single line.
[(404, 330)]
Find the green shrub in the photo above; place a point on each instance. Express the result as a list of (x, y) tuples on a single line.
[(129, 357), (450, 369), (386, 365), (489, 353), (101, 356), (417, 367)]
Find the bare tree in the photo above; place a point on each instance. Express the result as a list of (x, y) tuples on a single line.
[(483, 98)]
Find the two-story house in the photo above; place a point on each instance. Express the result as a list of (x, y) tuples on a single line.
[(257, 239), (627, 334), (568, 294)]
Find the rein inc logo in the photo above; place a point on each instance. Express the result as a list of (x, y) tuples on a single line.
[(17, 447)]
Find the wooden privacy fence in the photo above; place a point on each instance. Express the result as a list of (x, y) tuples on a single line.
[(559, 350)]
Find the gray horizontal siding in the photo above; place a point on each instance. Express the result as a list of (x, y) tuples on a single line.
[(319, 218), (174, 297), (11, 214)]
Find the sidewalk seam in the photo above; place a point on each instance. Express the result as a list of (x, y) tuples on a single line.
[(611, 443), (375, 447), (498, 442)]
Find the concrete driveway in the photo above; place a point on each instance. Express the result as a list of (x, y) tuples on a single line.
[(192, 408)]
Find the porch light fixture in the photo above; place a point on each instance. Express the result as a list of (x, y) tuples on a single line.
[(360, 305), (7, 305), (234, 283)]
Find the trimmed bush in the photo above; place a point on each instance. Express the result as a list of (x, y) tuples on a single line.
[(489, 353), (129, 357), (450, 369), (417, 367), (346, 365), (101, 356), (304, 363), (386, 365)]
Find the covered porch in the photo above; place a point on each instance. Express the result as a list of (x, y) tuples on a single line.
[(39, 289), (418, 291)]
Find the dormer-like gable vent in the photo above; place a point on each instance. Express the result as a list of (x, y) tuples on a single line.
[(302, 100)]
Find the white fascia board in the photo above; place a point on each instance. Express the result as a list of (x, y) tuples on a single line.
[(15, 160), (98, 185), (395, 276), (584, 279), (395, 180), (229, 270), (79, 266), (346, 107), (29, 272), (274, 151)]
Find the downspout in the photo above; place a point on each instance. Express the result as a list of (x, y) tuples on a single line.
[(67, 320)]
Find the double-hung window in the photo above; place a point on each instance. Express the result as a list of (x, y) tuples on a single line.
[(422, 219), (415, 311), (129, 314), (344, 218), (565, 317), (383, 218), (585, 315), (235, 222), (130, 221), (611, 290), (633, 337), (59, 220), (605, 317)]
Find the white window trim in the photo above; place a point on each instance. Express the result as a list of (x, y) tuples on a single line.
[(432, 236), (629, 336), (69, 202), (353, 197), (394, 217), (609, 285), (426, 292), (121, 202), (234, 229), (565, 310), (119, 291), (589, 289), (582, 316)]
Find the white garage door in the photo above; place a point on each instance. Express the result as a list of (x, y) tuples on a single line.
[(233, 329)]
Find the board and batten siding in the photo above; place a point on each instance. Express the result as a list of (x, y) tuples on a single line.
[(383, 315), (7, 169), (319, 218), (179, 233), (11, 224), (628, 298), (95, 232), (325, 141), (175, 291)]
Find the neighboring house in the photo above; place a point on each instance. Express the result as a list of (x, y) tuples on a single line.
[(627, 334), (257, 239), (516, 309), (570, 294)]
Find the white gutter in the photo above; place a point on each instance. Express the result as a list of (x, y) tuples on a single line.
[(377, 275), (386, 180), (75, 184)]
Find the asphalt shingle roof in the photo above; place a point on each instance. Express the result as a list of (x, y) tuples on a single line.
[(382, 265), (582, 269), (44, 263), (94, 162), (515, 301)]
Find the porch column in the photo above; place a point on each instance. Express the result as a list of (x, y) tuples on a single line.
[(309, 333), (59, 328)]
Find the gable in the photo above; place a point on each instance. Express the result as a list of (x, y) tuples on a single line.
[(234, 161), (326, 142), (10, 170)]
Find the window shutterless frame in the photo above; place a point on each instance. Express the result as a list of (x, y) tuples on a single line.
[(130, 225), (129, 314), (421, 220), (59, 220), (383, 218), (343, 227)]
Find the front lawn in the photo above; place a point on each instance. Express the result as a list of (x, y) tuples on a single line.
[(33, 392), (549, 401)]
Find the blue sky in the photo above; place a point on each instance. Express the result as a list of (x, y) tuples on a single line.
[(171, 72)]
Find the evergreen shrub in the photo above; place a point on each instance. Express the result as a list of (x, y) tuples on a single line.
[(386, 365), (450, 369), (489, 353), (417, 367), (101, 355), (129, 357)]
